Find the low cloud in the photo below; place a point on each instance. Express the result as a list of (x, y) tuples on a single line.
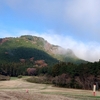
[(88, 51)]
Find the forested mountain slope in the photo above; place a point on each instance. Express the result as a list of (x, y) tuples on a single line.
[(27, 46)]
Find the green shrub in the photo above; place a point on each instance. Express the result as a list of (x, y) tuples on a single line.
[(40, 79), (20, 76)]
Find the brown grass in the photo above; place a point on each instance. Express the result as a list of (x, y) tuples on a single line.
[(17, 95), (16, 90)]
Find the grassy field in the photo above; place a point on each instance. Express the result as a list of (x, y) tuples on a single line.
[(19, 89)]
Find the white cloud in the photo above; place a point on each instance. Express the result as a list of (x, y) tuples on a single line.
[(83, 9), (88, 51), (46, 8), (82, 16)]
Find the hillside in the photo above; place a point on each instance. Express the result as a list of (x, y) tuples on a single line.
[(15, 49), (27, 46)]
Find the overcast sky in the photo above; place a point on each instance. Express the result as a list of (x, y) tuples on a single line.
[(73, 24)]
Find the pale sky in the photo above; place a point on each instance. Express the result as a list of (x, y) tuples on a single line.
[(73, 24)]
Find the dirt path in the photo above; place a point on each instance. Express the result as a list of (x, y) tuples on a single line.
[(17, 90)]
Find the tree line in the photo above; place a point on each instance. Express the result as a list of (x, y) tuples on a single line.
[(62, 73)]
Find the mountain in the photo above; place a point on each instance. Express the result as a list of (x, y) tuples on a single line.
[(27, 46)]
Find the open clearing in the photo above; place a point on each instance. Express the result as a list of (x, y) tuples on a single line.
[(19, 89)]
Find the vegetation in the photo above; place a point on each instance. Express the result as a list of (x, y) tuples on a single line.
[(18, 54), (20, 76), (26, 56), (70, 75), (77, 76), (40, 79)]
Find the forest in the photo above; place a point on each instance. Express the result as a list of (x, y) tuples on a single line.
[(62, 74)]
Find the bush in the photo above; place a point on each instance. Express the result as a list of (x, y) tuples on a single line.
[(60, 80), (19, 76), (40, 79)]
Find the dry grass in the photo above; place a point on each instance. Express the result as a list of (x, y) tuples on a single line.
[(16, 90), (15, 95)]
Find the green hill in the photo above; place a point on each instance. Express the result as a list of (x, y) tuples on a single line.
[(27, 46), (14, 49)]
